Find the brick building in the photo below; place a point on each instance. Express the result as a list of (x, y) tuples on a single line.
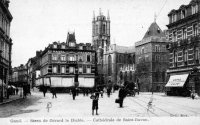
[(184, 49), (152, 59)]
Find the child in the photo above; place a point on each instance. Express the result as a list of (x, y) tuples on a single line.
[(95, 99)]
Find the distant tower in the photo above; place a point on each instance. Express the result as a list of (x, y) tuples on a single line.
[(100, 31), (100, 40)]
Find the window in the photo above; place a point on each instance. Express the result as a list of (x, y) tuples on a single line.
[(80, 69), (183, 14), (62, 69), (157, 48), (80, 58), (157, 58), (54, 57), (194, 9), (142, 50), (195, 30), (96, 32), (71, 69), (109, 65), (184, 33), (196, 54), (50, 69), (88, 58), (185, 55), (63, 58), (81, 47), (173, 18), (63, 46), (104, 29), (174, 36), (71, 44), (55, 46), (88, 69), (84, 68), (54, 69), (71, 58)]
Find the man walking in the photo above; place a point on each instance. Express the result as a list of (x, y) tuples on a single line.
[(122, 95), (53, 90), (95, 99)]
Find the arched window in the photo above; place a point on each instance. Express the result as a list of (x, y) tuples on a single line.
[(109, 65)]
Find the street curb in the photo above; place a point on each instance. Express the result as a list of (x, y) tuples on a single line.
[(9, 101)]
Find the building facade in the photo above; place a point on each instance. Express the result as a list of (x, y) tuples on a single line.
[(152, 60), (5, 47), (67, 64), (184, 48), (119, 64)]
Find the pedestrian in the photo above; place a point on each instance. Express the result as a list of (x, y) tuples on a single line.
[(101, 91), (17, 91), (122, 95), (87, 92), (74, 93), (53, 91), (108, 92), (44, 90), (95, 99)]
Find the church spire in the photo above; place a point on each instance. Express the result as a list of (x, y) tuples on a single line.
[(108, 16), (155, 17), (93, 15), (99, 11)]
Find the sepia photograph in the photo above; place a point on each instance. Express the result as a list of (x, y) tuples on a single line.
[(98, 62)]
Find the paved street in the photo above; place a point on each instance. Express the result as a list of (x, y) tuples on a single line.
[(35, 106)]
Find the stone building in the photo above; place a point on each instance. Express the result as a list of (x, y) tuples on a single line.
[(67, 64), (184, 48), (119, 64), (152, 59), (100, 40), (110, 57), (5, 47)]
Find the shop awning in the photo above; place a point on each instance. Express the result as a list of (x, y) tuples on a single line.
[(177, 80), (86, 82)]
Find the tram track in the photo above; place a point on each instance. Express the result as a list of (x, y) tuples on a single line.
[(154, 107), (183, 107)]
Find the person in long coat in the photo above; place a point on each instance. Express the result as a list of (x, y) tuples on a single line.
[(122, 95), (74, 93), (53, 91), (95, 98)]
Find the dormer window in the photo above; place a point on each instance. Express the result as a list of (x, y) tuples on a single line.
[(81, 47), (183, 14), (71, 44), (63, 46), (54, 46), (173, 18), (158, 30), (194, 9)]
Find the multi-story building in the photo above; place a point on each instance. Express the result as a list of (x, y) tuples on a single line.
[(67, 64), (184, 48), (119, 64), (152, 59), (5, 46)]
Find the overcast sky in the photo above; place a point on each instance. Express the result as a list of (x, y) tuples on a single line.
[(36, 23)]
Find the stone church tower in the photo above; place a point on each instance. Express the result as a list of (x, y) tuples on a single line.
[(100, 40)]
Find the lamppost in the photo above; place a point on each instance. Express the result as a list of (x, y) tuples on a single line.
[(1, 76)]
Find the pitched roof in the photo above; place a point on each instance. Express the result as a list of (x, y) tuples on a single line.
[(154, 30), (124, 49)]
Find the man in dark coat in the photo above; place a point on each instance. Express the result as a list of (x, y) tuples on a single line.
[(53, 91), (74, 93), (122, 95), (44, 90)]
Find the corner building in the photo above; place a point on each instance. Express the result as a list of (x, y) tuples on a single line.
[(67, 64), (152, 60), (184, 48)]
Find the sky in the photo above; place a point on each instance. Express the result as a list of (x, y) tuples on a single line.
[(38, 23)]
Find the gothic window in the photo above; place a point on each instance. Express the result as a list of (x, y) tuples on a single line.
[(130, 76), (104, 29), (96, 29), (109, 65)]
